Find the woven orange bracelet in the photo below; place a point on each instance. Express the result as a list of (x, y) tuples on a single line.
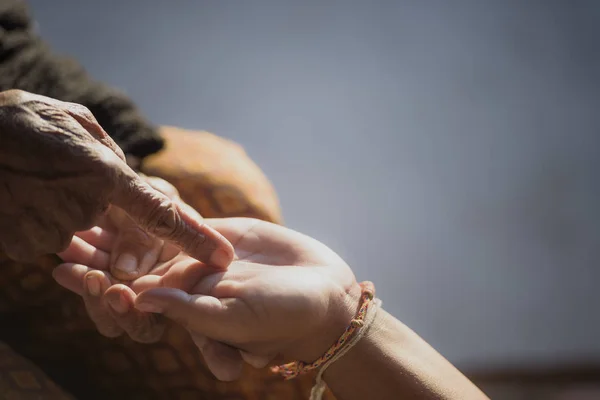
[(293, 369)]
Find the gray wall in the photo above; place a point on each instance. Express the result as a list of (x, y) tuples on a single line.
[(447, 149)]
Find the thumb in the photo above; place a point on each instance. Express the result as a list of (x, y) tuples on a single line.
[(168, 220), (218, 319)]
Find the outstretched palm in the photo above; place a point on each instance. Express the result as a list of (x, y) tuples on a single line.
[(277, 275)]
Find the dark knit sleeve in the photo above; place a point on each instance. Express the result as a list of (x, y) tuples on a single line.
[(27, 63)]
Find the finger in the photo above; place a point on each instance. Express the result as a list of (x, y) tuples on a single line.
[(186, 273), (221, 320), (135, 252), (154, 279), (71, 276), (140, 326), (144, 283), (114, 314), (183, 273), (225, 362), (96, 284), (162, 186), (169, 250), (81, 252), (168, 220), (98, 237)]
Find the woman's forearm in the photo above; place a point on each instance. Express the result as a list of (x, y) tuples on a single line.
[(393, 362)]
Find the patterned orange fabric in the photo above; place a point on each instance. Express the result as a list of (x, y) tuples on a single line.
[(49, 326), (214, 175), (21, 380)]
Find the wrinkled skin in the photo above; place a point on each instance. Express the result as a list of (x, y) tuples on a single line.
[(60, 172), (118, 232), (136, 251)]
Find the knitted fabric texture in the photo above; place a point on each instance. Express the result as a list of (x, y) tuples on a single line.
[(27, 63)]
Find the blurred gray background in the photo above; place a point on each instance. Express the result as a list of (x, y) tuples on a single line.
[(448, 150)]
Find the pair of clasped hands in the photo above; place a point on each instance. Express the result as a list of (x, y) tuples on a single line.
[(246, 290), (282, 291)]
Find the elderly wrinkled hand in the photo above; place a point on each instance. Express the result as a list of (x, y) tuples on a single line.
[(60, 172)]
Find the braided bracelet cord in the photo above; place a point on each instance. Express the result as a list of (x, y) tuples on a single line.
[(296, 368), (318, 389)]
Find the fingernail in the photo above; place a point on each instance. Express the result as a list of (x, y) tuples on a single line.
[(220, 258), (148, 260), (127, 263), (149, 307), (93, 286), (120, 305)]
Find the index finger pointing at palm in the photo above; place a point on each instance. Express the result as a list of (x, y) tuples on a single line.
[(168, 219)]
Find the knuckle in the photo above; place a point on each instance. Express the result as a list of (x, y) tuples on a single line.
[(12, 96), (80, 110), (164, 218), (57, 119)]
